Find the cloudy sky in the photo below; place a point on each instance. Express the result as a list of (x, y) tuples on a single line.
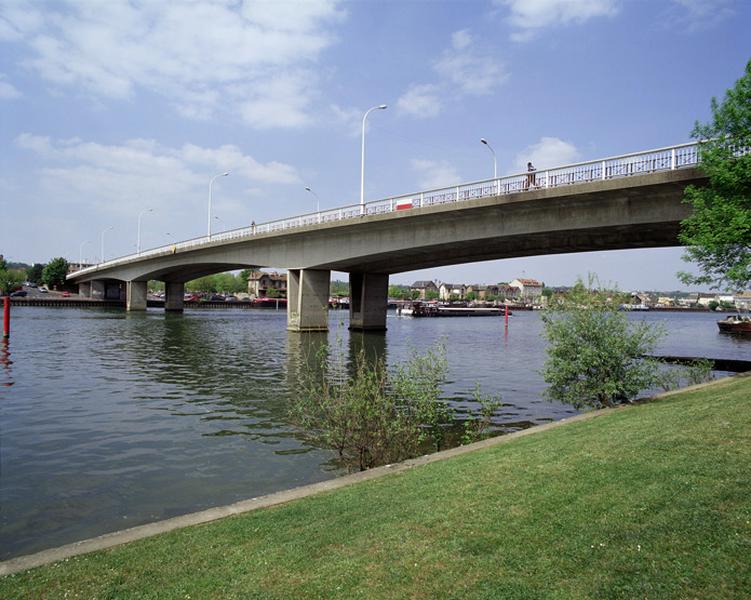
[(110, 107)]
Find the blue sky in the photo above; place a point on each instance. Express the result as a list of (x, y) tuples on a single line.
[(111, 107)]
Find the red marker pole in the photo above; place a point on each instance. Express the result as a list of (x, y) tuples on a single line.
[(6, 317), (506, 316)]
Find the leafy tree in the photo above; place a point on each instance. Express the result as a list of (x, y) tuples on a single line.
[(595, 354), (372, 416), (431, 295), (53, 274), (34, 273), (713, 304), (471, 296), (3, 263), (10, 279), (718, 232), (401, 292), (339, 288)]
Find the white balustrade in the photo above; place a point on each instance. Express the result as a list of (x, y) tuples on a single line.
[(648, 161)]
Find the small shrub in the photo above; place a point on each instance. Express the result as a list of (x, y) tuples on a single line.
[(373, 417), (596, 355)]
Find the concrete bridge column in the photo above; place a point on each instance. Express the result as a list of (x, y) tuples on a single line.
[(174, 292), (84, 289), (308, 300), (368, 301), (136, 295), (98, 289)]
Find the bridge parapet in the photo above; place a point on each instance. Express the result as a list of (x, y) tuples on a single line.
[(639, 163)]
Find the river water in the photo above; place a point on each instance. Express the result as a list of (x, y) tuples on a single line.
[(109, 420)]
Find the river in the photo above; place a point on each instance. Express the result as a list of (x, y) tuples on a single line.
[(109, 420)]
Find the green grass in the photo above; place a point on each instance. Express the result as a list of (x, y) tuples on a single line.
[(652, 501)]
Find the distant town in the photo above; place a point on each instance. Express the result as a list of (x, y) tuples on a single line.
[(253, 285)]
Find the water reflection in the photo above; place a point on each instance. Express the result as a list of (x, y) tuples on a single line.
[(6, 362)]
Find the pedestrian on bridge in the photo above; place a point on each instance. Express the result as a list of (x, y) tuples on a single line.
[(530, 176)]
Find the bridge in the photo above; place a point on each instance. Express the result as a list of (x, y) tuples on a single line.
[(621, 202)]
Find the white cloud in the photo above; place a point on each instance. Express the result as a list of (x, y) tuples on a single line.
[(117, 48), (696, 15), (7, 90), (547, 153), (113, 179), (464, 67), (435, 173), (528, 17), (463, 70), (421, 100)]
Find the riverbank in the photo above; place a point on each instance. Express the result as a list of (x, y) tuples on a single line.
[(652, 500)]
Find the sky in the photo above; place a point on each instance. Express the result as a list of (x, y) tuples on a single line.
[(109, 108)]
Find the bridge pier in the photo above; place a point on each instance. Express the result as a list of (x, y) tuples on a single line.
[(174, 293), (308, 300), (135, 295), (84, 289), (98, 289), (368, 301)]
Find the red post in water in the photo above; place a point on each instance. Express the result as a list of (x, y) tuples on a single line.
[(506, 316), (6, 317)]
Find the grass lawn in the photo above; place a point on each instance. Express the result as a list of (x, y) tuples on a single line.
[(651, 501)]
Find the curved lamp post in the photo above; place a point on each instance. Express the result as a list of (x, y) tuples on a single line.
[(362, 156), (495, 164), (211, 183), (101, 256), (138, 242), (318, 202), (80, 253)]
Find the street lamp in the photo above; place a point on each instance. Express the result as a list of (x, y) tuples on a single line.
[(210, 184), (495, 164), (362, 157), (318, 203), (101, 256), (80, 254), (138, 243)]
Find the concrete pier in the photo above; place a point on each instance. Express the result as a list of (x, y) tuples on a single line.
[(174, 293), (368, 301), (84, 289), (308, 300), (135, 295)]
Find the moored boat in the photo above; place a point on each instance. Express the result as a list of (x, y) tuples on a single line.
[(735, 324)]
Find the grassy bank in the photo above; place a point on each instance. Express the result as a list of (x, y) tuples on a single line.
[(651, 501)]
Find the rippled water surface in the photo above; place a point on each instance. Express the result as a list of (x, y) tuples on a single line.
[(110, 420)]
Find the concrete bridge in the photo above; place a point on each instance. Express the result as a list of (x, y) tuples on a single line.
[(630, 201)]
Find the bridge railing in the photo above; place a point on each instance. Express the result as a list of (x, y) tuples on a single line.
[(648, 161)]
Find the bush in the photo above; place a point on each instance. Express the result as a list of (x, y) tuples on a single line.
[(374, 417), (595, 355)]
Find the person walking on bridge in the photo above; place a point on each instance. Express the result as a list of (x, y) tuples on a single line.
[(530, 176)]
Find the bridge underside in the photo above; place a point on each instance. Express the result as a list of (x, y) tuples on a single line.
[(655, 235), (634, 212)]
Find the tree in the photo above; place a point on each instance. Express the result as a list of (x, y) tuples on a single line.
[(471, 296), (595, 354), (339, 288), (34, 273), (53, 274), (718, 232), (10, 279), (431, 295), (374, 417)]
